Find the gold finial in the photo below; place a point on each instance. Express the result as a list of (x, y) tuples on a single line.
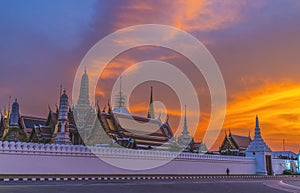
[(5, 113)]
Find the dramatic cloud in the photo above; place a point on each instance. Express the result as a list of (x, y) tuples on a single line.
[(278, 107), (256, 45)]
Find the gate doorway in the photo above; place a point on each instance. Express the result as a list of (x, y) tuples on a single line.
[(269, 165)]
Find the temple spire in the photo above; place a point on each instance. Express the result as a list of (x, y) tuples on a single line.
[(257, 128), (120, 101), (258, 144), (5, 113), (84, 90), (151, 108), (185, 139), (260, 151), (120, 98), (63, 107), (8, 110), (15, 114), (185, 127), (62, 136)]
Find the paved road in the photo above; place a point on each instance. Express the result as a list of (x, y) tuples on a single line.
[(165, 186)]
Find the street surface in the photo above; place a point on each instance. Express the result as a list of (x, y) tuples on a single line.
[(239, 185)]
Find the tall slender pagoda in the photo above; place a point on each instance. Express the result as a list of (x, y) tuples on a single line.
[(84, 113), (62, 135), (185, 139), (14, 132), (259, 150), (120, 101), (151, 107)]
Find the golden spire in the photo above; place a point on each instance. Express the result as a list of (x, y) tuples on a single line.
[(9, 99), (5, 113)]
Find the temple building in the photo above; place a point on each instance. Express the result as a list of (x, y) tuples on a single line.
[(61, 133), (86, 118), (134, 131), (60, 126), (234, 144), (83, 111), (17, 127), (187, 142), (260, 151), (185, 139), (14, 132)]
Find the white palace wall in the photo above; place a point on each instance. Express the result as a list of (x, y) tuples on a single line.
[(30, 158), (279, 165)]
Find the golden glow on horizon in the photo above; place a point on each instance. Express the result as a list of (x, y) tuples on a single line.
[(278, 107)]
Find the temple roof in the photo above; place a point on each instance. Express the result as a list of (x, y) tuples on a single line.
[(145, 132), (138, 125), (29, 121), (235, 142), (241, 141), (41, 134), (122, 110)]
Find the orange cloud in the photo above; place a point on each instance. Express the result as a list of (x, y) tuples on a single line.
[(116, 67), (100, 92), (278, 106), (206, 15), (189, 15)]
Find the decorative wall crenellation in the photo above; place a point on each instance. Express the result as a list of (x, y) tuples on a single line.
[(88, 151)]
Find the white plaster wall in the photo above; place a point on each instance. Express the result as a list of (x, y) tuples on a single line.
[(279, 165), (28, 158), (260, 163)]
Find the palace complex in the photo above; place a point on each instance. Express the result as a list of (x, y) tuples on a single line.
[(84, 124), (70, 129)]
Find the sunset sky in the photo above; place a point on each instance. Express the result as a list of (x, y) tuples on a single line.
[(255, 43)]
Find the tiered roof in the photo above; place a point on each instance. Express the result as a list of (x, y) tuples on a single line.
[(258, 144)]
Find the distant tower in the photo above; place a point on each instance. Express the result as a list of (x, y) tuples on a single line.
[(151, 107), (259, 150), (185, 139), (120, 101), (14, 133), (84, 90), (62, 135), (185, 127), (5, 113), (14, 115), (83, 112)]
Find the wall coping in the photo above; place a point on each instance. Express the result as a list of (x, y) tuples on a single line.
[(25, 148)]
